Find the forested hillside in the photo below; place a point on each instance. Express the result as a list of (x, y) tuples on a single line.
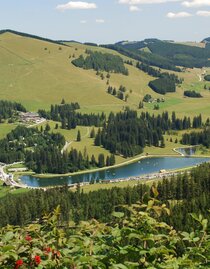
[(174, 53), (184, 194)]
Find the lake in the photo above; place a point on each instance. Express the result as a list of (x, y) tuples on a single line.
[(139, 168)]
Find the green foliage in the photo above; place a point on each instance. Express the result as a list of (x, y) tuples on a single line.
[(69, 118), (101, 62), (196, 138), (138, 240), (127, 134), (192, 94), (162, 85), (9, 109), (146, 57), (120, 93), (147, 98), (157, 73), (20, 142), (207, 77)]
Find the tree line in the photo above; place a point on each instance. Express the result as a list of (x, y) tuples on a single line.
[(157, 73), (184, 194), (192, 94), (51, 160), (69, 118), (197, 138)]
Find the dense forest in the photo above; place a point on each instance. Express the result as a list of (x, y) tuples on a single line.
[(101, 62), (157, 73), (9, 109), (184, 194), (174, 53), (145, 57), (21, 140), (69, 118), (51, 160), (42, 152), (162, 85), (197, 138), (192, 94), (127, 134), (181, 55)]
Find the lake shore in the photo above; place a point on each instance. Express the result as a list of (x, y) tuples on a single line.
[(40, 176)]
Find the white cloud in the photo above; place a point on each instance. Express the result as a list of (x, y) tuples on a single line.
[(196, 3), (203, 13), (141, 2), (172, 15), (100, 21), (76, 5), (83, 21), (133, 8)]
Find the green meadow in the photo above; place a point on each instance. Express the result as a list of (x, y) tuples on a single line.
[(38, 74)]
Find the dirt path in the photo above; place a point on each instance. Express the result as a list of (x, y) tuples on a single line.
[(69, 143)]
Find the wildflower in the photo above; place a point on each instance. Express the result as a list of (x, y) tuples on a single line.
[(18, 264)]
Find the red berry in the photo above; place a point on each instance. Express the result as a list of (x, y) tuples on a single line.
[(47, 250), (28, 238), (18, 264), (37, 260)]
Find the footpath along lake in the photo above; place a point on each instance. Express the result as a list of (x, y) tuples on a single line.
[(139, 168)]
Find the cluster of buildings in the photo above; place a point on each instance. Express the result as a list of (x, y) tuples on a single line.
[(30, 117)]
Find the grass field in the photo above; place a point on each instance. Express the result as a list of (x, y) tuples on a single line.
[(86, 144), (5, 128), (38, 73)]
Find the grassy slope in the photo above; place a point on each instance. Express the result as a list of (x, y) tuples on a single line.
[(5, 129), (38, 77)]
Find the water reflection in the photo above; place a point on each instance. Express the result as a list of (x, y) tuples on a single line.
[(146, 166)]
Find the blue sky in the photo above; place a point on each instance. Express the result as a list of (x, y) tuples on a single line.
[(108, 21)]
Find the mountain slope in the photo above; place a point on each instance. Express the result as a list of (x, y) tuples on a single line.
[(38, 73), (170, 53)]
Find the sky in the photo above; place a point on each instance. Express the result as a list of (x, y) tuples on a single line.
[(108, 21)]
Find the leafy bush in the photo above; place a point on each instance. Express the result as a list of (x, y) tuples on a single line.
[(207, 77), (135, 238), (147, 98)]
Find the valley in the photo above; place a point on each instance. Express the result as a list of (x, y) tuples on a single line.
[(95, 154)]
